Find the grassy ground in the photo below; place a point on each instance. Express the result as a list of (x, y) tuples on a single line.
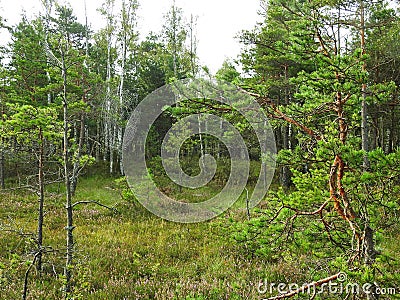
[(131, 254)]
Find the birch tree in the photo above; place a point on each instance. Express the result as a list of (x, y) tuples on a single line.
[(175, 36), (107, 10), (127, 36)]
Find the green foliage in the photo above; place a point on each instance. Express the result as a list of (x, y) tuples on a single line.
[(228, 73), (26, 122), (304, 74), (28, 66), (177, 58), (126, 193)]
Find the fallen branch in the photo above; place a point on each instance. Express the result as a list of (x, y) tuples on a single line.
[(306, 287)]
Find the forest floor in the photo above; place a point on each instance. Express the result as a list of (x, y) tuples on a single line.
[(131, 254)]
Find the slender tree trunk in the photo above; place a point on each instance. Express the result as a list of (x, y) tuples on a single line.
[(2, 159), (392, 136), (120, 140), (368, 250), (109, 130), (2, 167), (125, 26), (202, 152), (382, 132), (174, 41), (193, 46), (47, 4), (68, 206), (285, 176), (263, 162), (364, 113), (86, 34), (76, 166), (218, 143), (41, 201), (98, 143), (108, 109), (374, 138), (112, 147)]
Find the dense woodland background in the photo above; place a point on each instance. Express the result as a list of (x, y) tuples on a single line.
[(326, 73)]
